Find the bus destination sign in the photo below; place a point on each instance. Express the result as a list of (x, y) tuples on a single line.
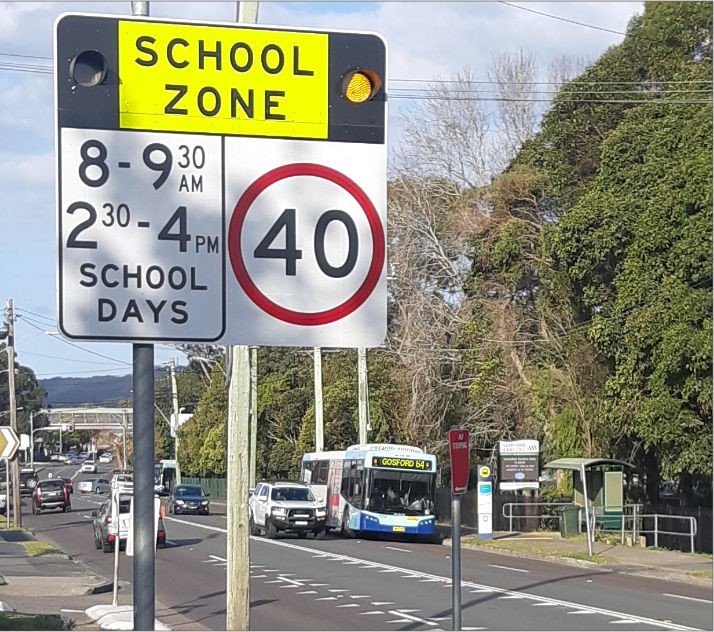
[(400, 463)]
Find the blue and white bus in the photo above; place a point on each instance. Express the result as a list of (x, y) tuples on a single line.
[(379, 488)]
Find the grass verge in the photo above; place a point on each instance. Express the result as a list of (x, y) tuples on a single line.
[(702, 574), (36, 548), (20, 621), (520, 547)]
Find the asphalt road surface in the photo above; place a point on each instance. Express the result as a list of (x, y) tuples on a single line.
[(341, 584)]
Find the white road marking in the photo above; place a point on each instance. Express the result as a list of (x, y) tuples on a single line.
[(83, 516), (349, 605), (360, 596), (315, 585), (430, 579), (373, 612), (326, 599), (687, 598), (623, 621), (70, 610), (396, 548), (351, 563), (275, 581), (509, 568), (402, 610), (394, 569), (511, 596), (401, 621), (581, 612), (171, 542), (258, 576), (287, 574), (488, 590), (411, 617), (219, 558), (382, 603), (540, 604), (440, 618), (467, 628), (257, 566), (337, 590), (306, 592)]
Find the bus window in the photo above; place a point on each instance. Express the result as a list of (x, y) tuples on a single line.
[(320, 476)]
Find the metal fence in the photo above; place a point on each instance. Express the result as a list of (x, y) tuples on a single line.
[(216, 487)]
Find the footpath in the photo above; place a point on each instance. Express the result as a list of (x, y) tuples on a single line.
[(74, 597), (692, 569)]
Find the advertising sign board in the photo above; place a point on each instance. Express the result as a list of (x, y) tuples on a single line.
[(518, 464)]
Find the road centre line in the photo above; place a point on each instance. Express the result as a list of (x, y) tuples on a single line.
[(396, 548), (509, 568), (465, 584), (688, 598)]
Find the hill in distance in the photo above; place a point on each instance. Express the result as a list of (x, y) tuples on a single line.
[(97, 390)]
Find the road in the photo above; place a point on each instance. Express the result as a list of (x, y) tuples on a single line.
[(340, 584)]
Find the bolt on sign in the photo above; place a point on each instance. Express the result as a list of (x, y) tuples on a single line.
[(220, 182), (459, 454)]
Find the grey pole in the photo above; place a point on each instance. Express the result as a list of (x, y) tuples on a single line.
[(144, 563), (176, 413), (7, 494), (32, 439), (253, 450), (587, 512), (362, 393), (319, 418), (455, 563)]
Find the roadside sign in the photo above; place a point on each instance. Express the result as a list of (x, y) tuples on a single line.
[(220, 182), (459, 454), (9, 443), (484, 501), (519, 464)]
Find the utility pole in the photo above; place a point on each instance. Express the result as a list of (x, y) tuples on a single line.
[(253, 414), (175, 406), (15, 464), (362, 397), (319, 421), (238, 465)]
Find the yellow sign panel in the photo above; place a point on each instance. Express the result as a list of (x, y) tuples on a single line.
[(216, 80), (485, 471)]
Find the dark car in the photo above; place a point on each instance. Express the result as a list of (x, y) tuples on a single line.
[(50, 494), (189, 499), (28, 480), (68, 483)]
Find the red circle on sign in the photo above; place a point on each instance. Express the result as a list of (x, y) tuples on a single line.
[(236, 253)]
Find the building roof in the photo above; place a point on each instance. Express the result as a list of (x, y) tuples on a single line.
[(575, 463)]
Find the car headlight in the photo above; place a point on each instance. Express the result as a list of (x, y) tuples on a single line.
[(320, 512), (278, 511), (179, 502), (204, 502)]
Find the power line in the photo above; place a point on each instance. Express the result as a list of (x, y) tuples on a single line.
[(562, 19)]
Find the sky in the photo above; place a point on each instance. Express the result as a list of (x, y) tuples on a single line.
[(425, 40)]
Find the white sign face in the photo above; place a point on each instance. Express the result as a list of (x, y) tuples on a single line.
[(141, 236), (306, 243), (519, 446)]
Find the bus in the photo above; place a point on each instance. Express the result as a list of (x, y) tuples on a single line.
[(375, 488), (164, 476)]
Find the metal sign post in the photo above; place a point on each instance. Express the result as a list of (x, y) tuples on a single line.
[(116, 520), (459, 452)]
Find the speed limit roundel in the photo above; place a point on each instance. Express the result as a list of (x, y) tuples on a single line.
[(279, 241)]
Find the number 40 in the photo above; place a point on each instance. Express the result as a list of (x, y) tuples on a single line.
[(291, 253)]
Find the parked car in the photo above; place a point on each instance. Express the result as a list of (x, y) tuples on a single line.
[(50, 494), (107, 457), (189, 499), (28, 480), (104, 525), (89, 466), (285, 506)]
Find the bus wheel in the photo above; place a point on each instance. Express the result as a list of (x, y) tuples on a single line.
[(349, 533)]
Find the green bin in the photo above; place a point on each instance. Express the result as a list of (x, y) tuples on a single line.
[(569, 522)]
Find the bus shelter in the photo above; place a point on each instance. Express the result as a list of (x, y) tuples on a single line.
[(598, 487)]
